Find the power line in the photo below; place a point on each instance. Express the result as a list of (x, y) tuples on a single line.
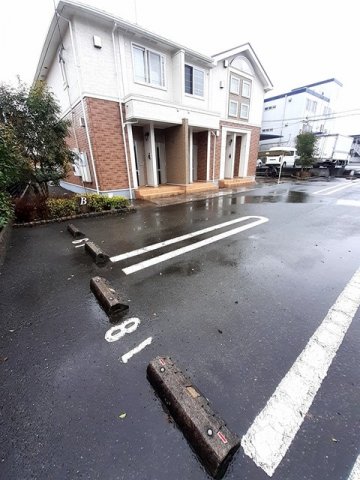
[(306, 121), (314, 118)]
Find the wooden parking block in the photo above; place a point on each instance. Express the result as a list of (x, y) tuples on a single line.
[(75, 232), (107, 296), (207, 434), (100, 257)]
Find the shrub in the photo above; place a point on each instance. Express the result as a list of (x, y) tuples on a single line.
[(118, 202), (94, 202), (30, 208), (61, 207), (6, 209), (98, 203)]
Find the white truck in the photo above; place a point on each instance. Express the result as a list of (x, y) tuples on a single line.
[(333, 149), (277, 156)]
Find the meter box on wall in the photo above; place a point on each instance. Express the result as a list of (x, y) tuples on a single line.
[(81, 166)]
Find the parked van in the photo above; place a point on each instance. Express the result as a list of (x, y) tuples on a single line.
[(285, 156)]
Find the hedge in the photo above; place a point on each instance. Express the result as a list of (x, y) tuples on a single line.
[(39, 208)]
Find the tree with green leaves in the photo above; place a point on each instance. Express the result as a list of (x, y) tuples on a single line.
[(12, 169), (38, 133), (306, 148)]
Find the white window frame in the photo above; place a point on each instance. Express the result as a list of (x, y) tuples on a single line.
[(235, 91), (244, 82), (237, 108), (63, 69), (194, 67), (147, 81), (241, 111)]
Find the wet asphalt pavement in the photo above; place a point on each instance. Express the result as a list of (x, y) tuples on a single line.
[(234, 314)]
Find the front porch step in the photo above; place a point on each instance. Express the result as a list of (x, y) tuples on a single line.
[(200, 187), (236, 182), (149, 193)]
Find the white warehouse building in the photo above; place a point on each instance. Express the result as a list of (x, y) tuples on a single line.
[(306, 108)]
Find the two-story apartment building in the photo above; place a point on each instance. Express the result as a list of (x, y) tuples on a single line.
[(306, 108), (147, 112)]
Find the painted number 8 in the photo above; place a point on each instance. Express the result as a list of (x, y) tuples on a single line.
[(118, 331)]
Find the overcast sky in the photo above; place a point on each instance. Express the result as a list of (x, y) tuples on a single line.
[(298, 42)]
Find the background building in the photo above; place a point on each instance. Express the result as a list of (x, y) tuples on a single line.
[(306, 108)]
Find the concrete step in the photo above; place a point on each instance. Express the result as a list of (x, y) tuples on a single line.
[(200, 187), (236, 182), (148, 193)]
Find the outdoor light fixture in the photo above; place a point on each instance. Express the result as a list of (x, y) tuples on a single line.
[(146, 136)]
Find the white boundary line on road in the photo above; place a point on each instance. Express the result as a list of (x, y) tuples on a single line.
[(125, 358), (194, 246), (274, 429), (355, 472), (335, 188), (155, 246), (348, 203)]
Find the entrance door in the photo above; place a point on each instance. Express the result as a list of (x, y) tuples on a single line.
[(160, 162), (140, 162), (229, 155)]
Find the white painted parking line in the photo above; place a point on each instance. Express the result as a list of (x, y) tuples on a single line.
[(348, 203), (79, 241), (180, 251), (125, 358), (355, 472), (274, 429), (336, 188), (155, 246)]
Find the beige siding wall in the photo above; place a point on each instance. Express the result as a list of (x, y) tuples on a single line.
[(177, 154)]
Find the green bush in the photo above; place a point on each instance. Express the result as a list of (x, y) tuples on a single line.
[(61, 207), (98, 203), (36, 208), (6, 209)]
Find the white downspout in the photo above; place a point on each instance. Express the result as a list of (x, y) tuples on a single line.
[(82, 101), (208, 150), (121, 112)]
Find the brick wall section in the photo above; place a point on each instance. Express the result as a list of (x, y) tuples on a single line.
[(237, 156), (108, 143), (254, 149), (217, 141), (202, 141)]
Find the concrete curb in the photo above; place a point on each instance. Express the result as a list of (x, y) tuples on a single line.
[(5, 234), (100, 257), (75, 232), (207, 434), (107, 296)]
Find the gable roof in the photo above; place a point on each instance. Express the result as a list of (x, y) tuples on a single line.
[(247, 50), (296, 91), (66, 9), (329, 80)]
